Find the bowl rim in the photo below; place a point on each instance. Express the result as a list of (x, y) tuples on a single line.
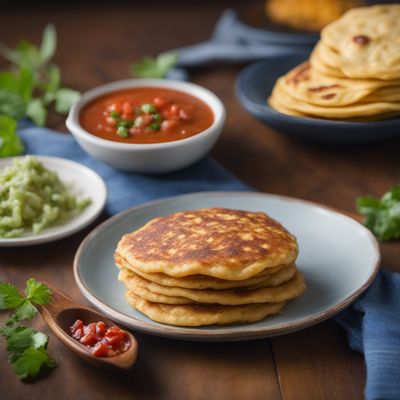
[(265, 109), (200, 92)]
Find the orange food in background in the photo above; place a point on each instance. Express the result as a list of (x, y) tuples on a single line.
[(308, 15)]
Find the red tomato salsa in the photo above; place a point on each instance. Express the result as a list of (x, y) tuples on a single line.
[(100, 340), (146, 115)]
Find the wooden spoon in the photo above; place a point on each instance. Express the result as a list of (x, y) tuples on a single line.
[(61, 313)]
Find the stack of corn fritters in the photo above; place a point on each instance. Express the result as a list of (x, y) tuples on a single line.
[(209, 266)]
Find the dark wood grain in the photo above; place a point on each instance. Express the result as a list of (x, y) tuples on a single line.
[(316, 363), (97, 41)]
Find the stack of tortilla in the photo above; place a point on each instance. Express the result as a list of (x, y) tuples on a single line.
[(353, 72), (209, 266)]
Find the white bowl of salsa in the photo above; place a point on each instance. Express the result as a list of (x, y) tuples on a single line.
[(147, 125)]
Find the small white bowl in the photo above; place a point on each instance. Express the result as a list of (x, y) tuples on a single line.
[(154, 157)]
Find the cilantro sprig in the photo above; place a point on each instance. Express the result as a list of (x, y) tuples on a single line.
[(32, 84), (157, 67), (382, 216), (10, 142), (26, 347)]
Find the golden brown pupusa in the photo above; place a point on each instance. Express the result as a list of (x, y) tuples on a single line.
[(224, 243)]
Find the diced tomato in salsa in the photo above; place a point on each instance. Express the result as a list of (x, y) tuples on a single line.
[(100, 340), (146, 115)]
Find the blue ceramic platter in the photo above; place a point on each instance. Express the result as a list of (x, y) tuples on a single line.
[(254, 85)]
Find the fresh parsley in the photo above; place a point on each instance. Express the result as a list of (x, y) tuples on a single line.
[(33, 83), (10, 142), (26, 347), (9, 297), (37, 292), (158, 67), (382, 216)]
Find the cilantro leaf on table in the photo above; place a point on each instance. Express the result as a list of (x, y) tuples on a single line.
[(158, 67), (23, 338), (30, 362), (10, 297), (26, 347), (37, 292), (10, 142), (382, 216), (25, 311)]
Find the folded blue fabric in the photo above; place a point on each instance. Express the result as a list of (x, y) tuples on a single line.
[(234, 41), (128, 189), (373, 327)]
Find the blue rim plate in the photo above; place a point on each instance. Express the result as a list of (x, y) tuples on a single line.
[(254, 85), (338, 257)]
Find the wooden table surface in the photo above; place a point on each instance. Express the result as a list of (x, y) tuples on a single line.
[(97, 42)]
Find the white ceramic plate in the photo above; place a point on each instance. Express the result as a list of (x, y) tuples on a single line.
[(338, 257), (81, 181)]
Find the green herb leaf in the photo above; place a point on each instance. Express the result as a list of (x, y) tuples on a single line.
[(37, 85), (155, 126), (158, 67), (37, 292), (15, 91), (49, 43), (36, 111), (65, 98), (25, 311), (382, 216), (23, 338), (28, 55), (7, 329), (9, 81), (26, 347), (10, 297), (125, 124), (167, 61), (148, 108), (26, 83), (115, 115), (31, 361), (10, 142), (53, 78), (8, 54), (12, 104), (122, 131)]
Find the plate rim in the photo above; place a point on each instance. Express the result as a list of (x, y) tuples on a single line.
[(46, 237), (229, 333)]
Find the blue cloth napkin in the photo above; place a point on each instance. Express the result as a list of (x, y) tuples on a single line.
[(373, 328), (127, 189), (234, 41)]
